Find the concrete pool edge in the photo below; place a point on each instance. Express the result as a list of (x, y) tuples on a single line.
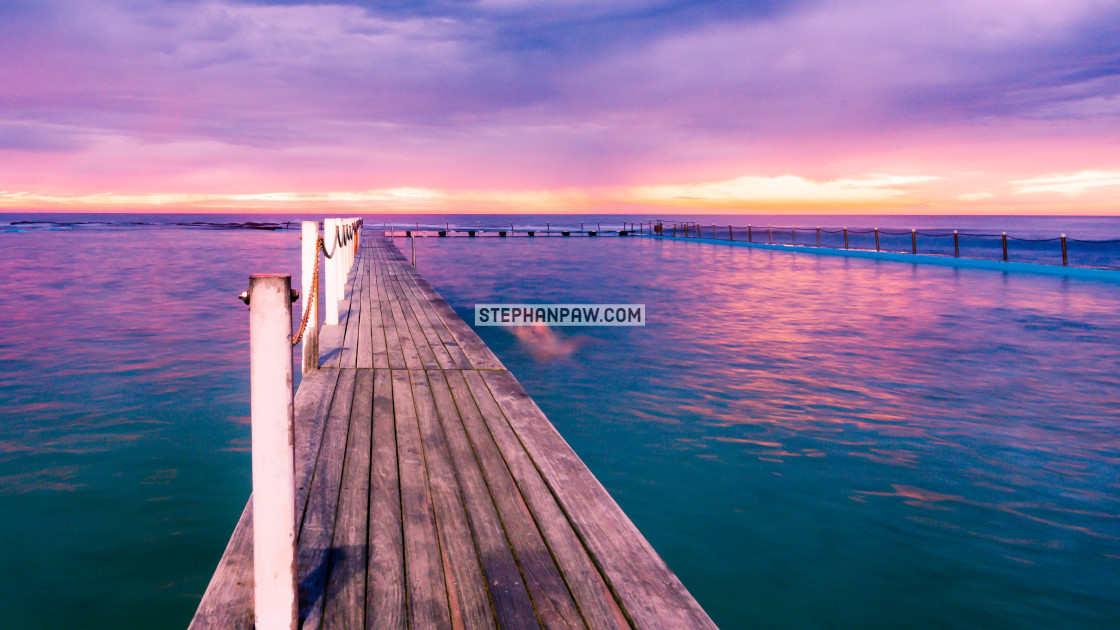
[(1087, 273)]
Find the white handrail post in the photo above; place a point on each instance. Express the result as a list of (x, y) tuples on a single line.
[(274, 482), (310, 247), (332, 266), (350, 254), (346, 256), (343, 264)]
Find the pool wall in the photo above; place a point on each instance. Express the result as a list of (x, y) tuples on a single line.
[(1108, 275)]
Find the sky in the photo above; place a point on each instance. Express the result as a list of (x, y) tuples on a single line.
[(815, 106)]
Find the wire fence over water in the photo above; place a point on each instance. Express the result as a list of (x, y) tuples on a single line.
[(1056, 250)]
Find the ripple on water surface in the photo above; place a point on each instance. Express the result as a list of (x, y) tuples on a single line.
[(825, 442)]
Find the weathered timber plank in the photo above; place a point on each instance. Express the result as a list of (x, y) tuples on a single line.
[(345, 597), (377, 323), (385, 597), (435, 325), (349, 356), (392, 338), (512, 606), (312, 405), (365, 341), (228, 600), (415, 331), (408, 345), (317, 529), (551, 598), (587, 585), (649, 593), (330, 345), (427, 593), (416, 314), (468, 596), (477, 351)]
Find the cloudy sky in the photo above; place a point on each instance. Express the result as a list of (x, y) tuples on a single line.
[(955, 106)]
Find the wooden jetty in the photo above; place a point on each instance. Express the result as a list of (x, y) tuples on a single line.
[(432, 492)]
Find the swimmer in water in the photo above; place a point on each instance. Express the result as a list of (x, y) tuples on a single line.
[(544, 344)]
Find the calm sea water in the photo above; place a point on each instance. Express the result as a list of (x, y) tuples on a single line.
[(810, 442)]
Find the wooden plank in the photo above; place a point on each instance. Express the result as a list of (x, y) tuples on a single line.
[(312, 406), (330, 345), (435, 325), (468, 597), (228, 600), (428, 355), (385, 596), (345, 597), (408, 345), (377, 324), (415, 311), (551, 598), (365, 341), (649, 593), (420, 322), (392, 338), (480, 355), (512, 606), (427, 593), (317, 529), (594, 598), (349, 355)]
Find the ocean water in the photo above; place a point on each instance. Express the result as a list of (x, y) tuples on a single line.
[(809, 442)]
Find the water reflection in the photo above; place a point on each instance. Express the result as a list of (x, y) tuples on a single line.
[(123, 392), (959, 420)]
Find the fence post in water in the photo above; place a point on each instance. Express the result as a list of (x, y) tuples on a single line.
[(1065, 258), (730, 233), (310, 267), (876, 239), (770, 232), (750, 235), (956, 245), (331, 265), (793, 236), (274, 480), (845, 237), (818, 237), (1005, 247), (413, 239), (913, 241)]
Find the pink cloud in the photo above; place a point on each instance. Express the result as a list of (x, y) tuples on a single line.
[(225, 98)]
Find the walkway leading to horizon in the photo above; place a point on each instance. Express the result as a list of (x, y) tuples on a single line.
[(432, 492)]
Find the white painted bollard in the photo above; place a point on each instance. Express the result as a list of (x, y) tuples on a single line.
[(332, 265), (346, 259), (343, 263), (349, 245), (310, 266), (274, 482)]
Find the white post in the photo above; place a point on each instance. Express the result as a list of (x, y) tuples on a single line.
[(347, 259), (274, 480), (350, 246), (310, 265), (332, 266), (343, 263)]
